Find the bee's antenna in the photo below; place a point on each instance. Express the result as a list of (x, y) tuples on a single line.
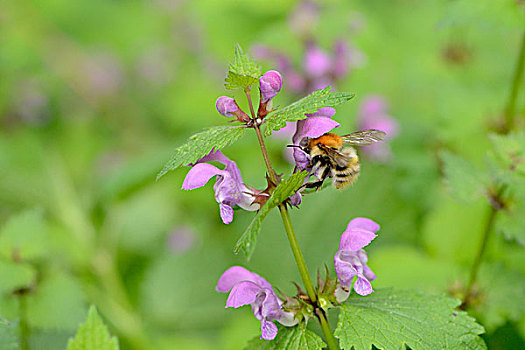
[(297, 146)]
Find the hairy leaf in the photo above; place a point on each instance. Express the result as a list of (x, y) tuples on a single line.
[(201, 144), (508, 152), (309, 104), (389, 320), (14, 276), (243, 72), (93, 335), (289, 338), (9, 335), (465, 181), (284, 190)]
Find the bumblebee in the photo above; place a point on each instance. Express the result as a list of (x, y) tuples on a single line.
[(333, 156)]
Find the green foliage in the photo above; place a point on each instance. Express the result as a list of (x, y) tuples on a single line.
[(202, 143), (284, 190), (508, 152), (309, 104), (25, 235), (501, 296), (43, 310), (465, 181), (243, 72), (501, 13), (9, 335), (93, 335), (14, 276), (390, 319), (289, 338)]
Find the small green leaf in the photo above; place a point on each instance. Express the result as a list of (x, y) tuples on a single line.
[(284, 190), (466, 182), (93, 335), (9, 335), (289, 338), (243, 72), (14, 276), (309, 104), (509, 156), (201, 144), (390, 320), (510, 221)]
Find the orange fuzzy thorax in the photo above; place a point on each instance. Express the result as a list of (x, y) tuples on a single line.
[(329, 140)]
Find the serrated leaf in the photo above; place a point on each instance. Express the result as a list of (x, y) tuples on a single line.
[(309, 104), (243, 72), (25, 234), (284, 190), (9, 335), (465, 181), (389, 320), (202, 143), (289, 338), (93, 335), (14, 276)]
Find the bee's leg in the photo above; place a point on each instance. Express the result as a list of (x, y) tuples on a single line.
[(316, 184)]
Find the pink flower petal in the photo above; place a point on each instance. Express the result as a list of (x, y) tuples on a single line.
[(363, 223), (199, 175), (243, 293), (317, 126), (355, 239)]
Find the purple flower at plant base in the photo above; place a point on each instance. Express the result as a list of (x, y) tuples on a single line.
[(248, 288), (373, 115), (229, 187), (350, 260)]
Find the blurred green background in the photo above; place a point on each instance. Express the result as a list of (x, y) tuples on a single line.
[(95, 95)]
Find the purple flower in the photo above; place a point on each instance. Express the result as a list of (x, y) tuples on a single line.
[(229, 187), (247, 287), (227, 107), (350, 260), (181, 239), (315, 125), (270, 84), (373, 115), (316, 62)]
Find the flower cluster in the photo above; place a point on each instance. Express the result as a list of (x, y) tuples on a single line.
[(248, 288)]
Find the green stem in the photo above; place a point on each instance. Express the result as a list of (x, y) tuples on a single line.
[(24, 329), (327, 331), (510, 109)]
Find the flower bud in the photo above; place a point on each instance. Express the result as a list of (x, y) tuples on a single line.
[(270, 84), (227, 107)]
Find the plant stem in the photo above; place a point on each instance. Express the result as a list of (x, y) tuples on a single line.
[(24, 329), (477, 261), (325, 326), (510, 109), (249, 97)]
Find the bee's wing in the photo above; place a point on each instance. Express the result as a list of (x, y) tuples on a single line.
[(338, 157), (364, 137)]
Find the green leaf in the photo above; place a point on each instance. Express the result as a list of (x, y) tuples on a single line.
[(465, 182), (201, 144), (243, 72), (289, 338), (309, 104), (284, 190), (389, 320), (93, 335), (25, 234), (9, 335), (14, 276)]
